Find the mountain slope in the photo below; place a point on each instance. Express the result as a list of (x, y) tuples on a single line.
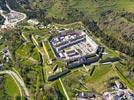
[(67, 11)]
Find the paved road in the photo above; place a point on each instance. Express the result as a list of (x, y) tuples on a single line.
[(19, 82), (64, 89), (20, 90)]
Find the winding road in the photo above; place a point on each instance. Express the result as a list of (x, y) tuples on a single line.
[(18, 81)]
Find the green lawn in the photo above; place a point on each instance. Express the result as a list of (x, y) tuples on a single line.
[(96, 82), (99, 77), (49, 50), (11, 87), (24, 50), (35, 54)]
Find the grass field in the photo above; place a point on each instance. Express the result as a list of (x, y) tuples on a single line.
[(89, 7), (49, 50), (99, 78), (11, 87), (97, 82), (23, 51)]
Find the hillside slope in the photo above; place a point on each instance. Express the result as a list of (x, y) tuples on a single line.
[(67, 11)]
